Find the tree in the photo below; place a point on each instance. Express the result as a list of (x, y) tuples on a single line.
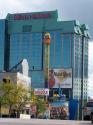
[(13, 95), (39, 101), (16, 96)]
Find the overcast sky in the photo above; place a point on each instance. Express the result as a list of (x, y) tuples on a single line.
[(81, 10)]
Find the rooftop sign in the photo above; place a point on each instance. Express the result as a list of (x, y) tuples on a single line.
[(31, 16)]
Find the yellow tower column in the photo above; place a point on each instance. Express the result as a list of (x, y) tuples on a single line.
[(47, 40)]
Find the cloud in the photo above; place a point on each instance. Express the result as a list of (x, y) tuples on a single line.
[(80, 10), (90, 86), (9, 6), (15, 6), (90, 58), (90, 83)]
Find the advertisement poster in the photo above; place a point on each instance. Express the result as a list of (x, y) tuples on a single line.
[(60, 78)]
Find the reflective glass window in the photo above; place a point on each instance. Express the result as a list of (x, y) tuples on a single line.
[(2, 42), (66, 50), (28, 46)]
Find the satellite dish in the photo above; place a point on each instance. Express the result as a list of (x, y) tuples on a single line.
[(25, 67)]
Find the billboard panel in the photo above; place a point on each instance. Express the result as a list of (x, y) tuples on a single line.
[(41, 91), (60, 77)]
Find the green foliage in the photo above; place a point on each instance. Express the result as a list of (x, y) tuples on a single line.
[(13, 95), (40, 105), (38, 101), (17, 96)]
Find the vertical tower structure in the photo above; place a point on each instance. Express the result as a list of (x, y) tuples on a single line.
[(47, 40)]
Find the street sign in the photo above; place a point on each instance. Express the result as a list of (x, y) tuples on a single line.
[(33, 108), (41, 91)]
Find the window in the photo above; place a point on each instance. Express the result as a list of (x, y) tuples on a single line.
[(2, 40), (27, 28), (89, 104)]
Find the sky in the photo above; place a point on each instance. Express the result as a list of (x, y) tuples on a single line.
[(67, 10), (90, 88)]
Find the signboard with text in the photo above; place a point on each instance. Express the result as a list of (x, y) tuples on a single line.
[(60, 78), (33, 109), (31, 16), (41, 91)]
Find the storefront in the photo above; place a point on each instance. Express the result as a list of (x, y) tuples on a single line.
[(59, 110)]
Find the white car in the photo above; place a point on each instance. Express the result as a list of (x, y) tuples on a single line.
[(87, 110)]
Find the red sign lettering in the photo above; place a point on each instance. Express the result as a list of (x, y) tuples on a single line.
[(31, 16)]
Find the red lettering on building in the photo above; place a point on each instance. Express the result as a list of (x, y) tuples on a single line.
[(31, 16)]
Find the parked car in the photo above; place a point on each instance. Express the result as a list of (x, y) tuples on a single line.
[(92, 116), (87, 111)]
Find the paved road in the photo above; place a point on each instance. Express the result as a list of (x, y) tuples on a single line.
[(41, 122)]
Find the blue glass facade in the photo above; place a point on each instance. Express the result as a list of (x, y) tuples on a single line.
[(85, 58), (30, 46), (26, 45), (78, 56), (2, 41), (22, 37), (60, 50)]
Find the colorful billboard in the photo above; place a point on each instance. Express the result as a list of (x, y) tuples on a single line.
[(60, 78)]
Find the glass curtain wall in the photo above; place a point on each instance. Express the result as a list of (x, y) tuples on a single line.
[(28, 46), (85, 58), (60, 50), (2, 43), (78, 56)]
